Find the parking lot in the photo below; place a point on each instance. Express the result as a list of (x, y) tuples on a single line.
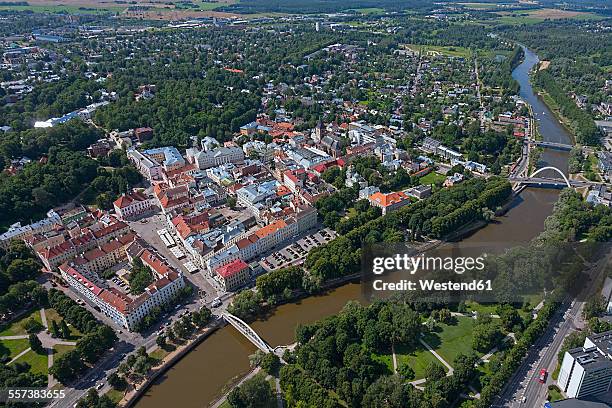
[(294, 253)]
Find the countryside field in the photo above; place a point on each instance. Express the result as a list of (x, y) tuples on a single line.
[(539, 15), (157, 9)]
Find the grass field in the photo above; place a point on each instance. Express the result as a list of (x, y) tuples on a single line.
[(16, 328), (432, 178), (60, 349), (14, 347), (539, 15), (386, 359), (479, 6), (368, 10), (417, 359), (64, 9), (115, 395), (452, 340), (38, 362)]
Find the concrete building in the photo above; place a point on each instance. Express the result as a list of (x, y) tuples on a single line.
[(233, 275), (587, 370), (389, 202), (214, 155), (132, 205)]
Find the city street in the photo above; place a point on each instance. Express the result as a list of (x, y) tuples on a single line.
[(524, 385)]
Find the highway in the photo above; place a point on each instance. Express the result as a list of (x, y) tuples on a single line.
[(524, 384)]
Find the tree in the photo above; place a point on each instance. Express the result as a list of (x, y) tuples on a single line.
[(55, 329), (116, 381), (434, 372), (253, 393), (140, 277), (33, 326), (161, 341), (66, 367), (36, 344), (64, 329), (245, 304), (270, 363), (23, 269), (406, 372), (390, 392), (485, 337)]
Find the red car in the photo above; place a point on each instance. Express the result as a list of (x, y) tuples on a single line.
[(542, 377)]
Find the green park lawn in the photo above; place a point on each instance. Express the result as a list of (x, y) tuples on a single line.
[(37, 362), (431, 178), (116, 395), (418, 359), (482, 309), (60, 349), (385, 358), (14, 347), (16, 328), (453, 339)]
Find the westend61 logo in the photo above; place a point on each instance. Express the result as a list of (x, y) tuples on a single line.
[(490, 272), (412, 264), (391, 269)]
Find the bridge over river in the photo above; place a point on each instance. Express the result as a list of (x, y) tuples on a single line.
[(533, 181)]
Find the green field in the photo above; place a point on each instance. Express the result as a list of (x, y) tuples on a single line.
[(16, 328), (115, 395), (386, 359), (51, 314), (38, 362), (452, 340), (60, 349), (432, 178), (368, 10), (539, 15), (64, 9), (418, 359), (14, 347)]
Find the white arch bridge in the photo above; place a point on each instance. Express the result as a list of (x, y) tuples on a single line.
[(534, 181), (254, 338), (247, 332)]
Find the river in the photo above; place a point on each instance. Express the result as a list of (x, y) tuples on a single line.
[(205, 372)]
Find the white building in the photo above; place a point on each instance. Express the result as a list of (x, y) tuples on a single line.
[(132, 205), (587, 370), (18, 231), (124, 310), (214, 155)]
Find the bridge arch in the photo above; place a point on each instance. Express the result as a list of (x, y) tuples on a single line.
[(552, 168), (248, 332)]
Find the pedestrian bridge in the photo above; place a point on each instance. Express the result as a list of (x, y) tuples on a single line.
[(247, 332), (552, 145), (534, 181)]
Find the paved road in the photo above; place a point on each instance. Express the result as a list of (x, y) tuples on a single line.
[(524, 383)]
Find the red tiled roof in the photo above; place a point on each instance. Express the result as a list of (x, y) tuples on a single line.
[(388, 199), (271, 228), (231, 268)]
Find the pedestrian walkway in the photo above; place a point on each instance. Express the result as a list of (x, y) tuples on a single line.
[(19, 355), (17, 337), (439, 357)]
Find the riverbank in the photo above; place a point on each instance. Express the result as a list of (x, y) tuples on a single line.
[(554, 108), (168, 361)]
